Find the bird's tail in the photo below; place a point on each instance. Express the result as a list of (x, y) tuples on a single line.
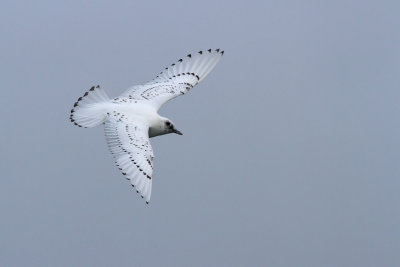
[(89, 109)]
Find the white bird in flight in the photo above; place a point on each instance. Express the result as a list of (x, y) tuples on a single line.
[(132, 118)]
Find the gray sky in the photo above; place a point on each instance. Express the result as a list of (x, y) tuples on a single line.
[(290, 154)]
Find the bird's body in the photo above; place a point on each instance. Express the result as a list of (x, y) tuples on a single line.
[(132, 118), (133, 111)]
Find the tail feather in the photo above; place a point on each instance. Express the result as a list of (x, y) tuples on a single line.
[(88, 110)]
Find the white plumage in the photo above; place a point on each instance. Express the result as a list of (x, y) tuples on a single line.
[(132, 118)]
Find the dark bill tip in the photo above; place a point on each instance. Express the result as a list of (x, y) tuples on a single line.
[(177, 132)]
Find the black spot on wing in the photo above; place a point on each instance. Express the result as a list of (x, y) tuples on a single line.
[(137, 149)]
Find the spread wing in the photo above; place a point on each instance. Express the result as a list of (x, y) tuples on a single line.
[(176, 79), (129, 143)]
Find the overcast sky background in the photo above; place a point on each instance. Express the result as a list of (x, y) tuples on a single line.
[(290, 154)]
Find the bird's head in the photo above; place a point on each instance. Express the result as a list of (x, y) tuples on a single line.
[(169, 127)]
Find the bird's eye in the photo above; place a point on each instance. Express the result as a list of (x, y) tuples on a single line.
[(168, 123)]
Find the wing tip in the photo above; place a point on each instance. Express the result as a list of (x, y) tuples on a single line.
[(188, 58), (139, 192)]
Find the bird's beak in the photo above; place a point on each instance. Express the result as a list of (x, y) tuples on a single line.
[(177, 132)]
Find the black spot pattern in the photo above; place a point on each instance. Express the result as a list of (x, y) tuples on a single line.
[(157, 90), (76, 104), (185, 73), (168, 84), (135, 149), (190, 56)]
